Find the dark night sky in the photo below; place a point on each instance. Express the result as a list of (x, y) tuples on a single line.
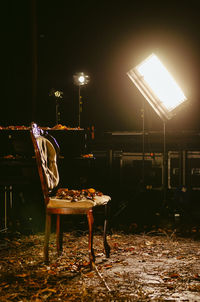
[(104, 39)]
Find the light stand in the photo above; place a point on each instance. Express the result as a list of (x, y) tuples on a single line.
[(57, 95), (80, 79), (162, 93), (57, 112), (79, 105), (164, 165), (143, 144)]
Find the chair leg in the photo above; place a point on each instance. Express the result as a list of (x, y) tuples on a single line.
[(59, 236), (47, 235), (106, 245), (90, 224)]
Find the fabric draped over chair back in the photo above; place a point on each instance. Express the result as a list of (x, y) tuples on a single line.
[(49, 161)]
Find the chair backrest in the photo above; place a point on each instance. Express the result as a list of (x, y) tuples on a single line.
[(46, 159)]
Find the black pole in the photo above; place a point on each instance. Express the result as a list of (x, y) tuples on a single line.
[(164, 165), (79, 106), (34, 56), (57, 112), (143, 146)]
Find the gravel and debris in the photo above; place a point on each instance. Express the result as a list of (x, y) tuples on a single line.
[(154, 266)]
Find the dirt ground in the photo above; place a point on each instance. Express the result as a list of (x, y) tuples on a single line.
[(154, 266)]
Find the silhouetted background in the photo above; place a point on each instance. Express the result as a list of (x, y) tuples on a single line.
[(46, 42)]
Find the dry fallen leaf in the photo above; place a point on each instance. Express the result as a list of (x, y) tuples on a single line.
[(107, 266), (174, 275), (22, 275), (89, 275)]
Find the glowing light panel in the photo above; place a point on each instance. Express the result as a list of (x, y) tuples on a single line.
[(158, 86)]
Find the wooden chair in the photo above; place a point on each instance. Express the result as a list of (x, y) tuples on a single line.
[(62, 202)]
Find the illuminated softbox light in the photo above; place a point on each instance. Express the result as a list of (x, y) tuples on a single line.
[(157, 86)]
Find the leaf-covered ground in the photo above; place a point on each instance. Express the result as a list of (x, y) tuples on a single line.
[(154, 266)]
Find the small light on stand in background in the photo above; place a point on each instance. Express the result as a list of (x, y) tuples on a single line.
[(57, 95), (80, 80)]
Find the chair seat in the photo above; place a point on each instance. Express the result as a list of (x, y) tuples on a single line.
[(82, 203)]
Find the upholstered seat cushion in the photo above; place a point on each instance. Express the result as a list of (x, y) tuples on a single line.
[(83, 203)]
